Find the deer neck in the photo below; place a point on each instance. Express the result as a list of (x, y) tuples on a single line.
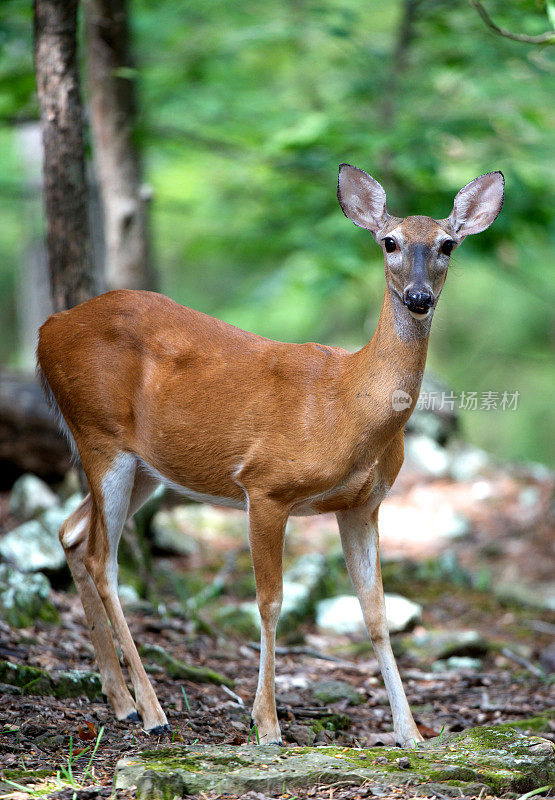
[(390, 364)]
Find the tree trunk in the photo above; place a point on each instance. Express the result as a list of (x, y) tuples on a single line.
[(29, 437), (113, 114), (65, 185)]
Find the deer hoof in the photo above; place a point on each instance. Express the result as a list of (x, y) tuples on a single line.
[(159, 730)]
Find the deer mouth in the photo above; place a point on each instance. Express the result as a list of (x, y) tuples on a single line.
[(417, 314)]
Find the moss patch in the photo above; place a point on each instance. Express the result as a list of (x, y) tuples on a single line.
[(500, 759), (32, 680), (180, 670)]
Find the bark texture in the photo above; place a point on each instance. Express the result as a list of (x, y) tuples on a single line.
[(113, 117), (29, 437), (65, 185)]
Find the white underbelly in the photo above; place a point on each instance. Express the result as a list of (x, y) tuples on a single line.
[(303, 509)]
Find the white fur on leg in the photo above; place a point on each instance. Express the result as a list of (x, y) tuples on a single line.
[(359, 537), (116, 490), (264, 703)]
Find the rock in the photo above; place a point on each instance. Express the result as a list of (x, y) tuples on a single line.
[(425, 524), (169, 535), (499, 760), (343, 615), (300, 734), (329, 692), (537, 595), (35, 545), (30, 497), (547, 660), (32, 548), (24, 598), (439, 421), (401, 613), (128, 595), (443, 644), (33, 680), (52, 518), (529, 497), (466, 462), (456, 663), (340, 615), (426, 456), (186, 529), (243, 618)]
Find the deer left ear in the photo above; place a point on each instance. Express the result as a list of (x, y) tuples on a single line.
[(478, 204), (362, 198)]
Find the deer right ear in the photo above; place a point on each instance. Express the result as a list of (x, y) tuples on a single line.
[(361, 198), (478, 204)]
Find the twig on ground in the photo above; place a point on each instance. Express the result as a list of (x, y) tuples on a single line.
[(523, 662), (299, 650)]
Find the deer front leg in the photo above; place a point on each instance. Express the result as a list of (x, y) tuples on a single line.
[(359, 538), (266, 531)]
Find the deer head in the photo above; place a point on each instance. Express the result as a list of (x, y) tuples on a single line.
[(417, 249)]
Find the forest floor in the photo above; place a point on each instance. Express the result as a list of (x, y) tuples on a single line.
[(47, 734)]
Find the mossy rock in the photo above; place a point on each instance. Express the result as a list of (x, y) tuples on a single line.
[(35, 681), (179, 670), (22, 777), (329, 692), (24, 598), (498, 760)]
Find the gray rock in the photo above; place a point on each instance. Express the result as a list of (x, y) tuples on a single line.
[(343, 615), (401, 613), (53, 518), (30, 497), (456, 664), (35, 681), (128, 595), (426, 456), (426, 525), (466, 463), (245, 619), (443, 644), (33, 548), (499, 760), (440, 422), (35, 545), (329, 692), (169, 535), (24, 597)]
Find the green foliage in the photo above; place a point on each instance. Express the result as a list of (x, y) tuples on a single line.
[(247, 110)]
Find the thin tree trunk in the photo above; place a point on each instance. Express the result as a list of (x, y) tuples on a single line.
[(113, 116), (65, 185), (406, 35)]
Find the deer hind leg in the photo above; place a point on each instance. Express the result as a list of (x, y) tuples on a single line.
[(117, 491), (359, 537), (74, 535), (267, 521)]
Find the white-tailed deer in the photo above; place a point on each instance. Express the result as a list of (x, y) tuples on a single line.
[(155, 392)]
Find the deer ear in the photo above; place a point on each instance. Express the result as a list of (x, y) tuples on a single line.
[(478, 204), (361, 198)]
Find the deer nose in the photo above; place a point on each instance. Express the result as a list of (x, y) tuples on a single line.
[(418, 301)]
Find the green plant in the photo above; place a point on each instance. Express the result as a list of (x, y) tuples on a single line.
[(255, 729), (186, 699)]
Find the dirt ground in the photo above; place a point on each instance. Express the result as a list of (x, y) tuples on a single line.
[(36, 731), (44, 733)]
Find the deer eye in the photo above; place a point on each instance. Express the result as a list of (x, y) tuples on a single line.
[(447, 247), (389, 244)]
